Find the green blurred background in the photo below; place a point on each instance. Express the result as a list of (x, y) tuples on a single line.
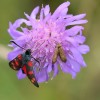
[(86, 86)]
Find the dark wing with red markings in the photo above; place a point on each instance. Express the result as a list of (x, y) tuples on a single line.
[(16, 63), (30, 73), (24, 69)]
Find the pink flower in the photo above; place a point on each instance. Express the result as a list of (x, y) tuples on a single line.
[(42, 35)]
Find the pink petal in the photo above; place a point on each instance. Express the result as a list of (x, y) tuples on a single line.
[(41, 14), (46, 10), (42, 76), (77, 22), (74, 30), (14, 54), (84, 49), (77, 56), (20, 75), (55, 69), (13, 28), (49, 69), (75, 66), (61, 9), (75, 18), (80, 39), (13, 32), (66, 68), (34, 12)]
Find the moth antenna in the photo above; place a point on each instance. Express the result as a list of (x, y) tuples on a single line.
[(17, 44)]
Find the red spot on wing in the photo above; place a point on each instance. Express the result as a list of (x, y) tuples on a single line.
[(16, 63), (19, 56), (30, 64), (30, 72), (12, 64), (24, 69), (33, 80)]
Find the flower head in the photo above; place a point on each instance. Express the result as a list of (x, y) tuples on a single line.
[(51, 41)]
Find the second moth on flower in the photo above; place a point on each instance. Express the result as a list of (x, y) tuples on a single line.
[(58, 52), (51, 30)]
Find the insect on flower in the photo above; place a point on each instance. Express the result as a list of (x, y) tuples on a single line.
[(64, 41), (59, 52), (24, 62)]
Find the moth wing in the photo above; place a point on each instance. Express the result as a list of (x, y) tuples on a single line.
[(24, 69), (16, 63), (55, 55), (30, 73), (62, 54)]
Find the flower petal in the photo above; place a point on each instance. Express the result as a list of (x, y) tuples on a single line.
[(55, 69), (75, 18), (20, 75), (46, 10), (80, 39), (34, 12), (58, 11), (77, 22), (74, 30), (14, 54), (66, 68), (73, 73), (49, 69), (33, 22), (42, 76), (41, 14), (84, 49), (77, 56), (74, 65), (13, 28), (14, 34)]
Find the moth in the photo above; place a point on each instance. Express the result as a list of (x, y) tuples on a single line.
[(59, 52), (23, 61)]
